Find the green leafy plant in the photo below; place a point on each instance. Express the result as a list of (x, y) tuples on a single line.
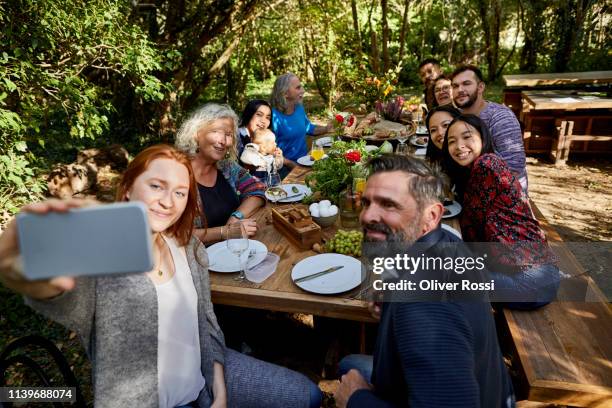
[(332, 175)]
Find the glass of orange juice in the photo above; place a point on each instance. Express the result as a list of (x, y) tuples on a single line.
[(317, 151)]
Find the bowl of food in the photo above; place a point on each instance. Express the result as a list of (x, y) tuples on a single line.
[(324, 213)]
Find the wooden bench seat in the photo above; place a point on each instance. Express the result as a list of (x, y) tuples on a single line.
[(562, 353)]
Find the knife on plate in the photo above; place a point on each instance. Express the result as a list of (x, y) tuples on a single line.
[(293, 196), (317, 274)]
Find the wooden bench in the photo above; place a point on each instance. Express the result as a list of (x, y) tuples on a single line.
[(561, 353)]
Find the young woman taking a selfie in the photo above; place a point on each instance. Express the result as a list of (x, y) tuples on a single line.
[(152, 337)]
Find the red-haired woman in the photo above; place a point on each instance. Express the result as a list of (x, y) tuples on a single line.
[(153, 338)]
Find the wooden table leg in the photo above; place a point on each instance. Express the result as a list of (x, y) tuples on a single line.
[(557, 145), (362, 338), (567, 141)]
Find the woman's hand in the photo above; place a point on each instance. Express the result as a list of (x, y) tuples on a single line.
[(10, 262), (249, 224), (290, 163), (219, 390)]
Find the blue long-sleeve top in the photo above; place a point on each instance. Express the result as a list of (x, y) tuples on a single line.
[(436, 354), (291, 131)]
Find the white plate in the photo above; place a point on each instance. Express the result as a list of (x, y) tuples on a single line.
[(451, 230), (222, 259), (303, 191), (421, 130), (325, 141), (338, 281), (422, 151), (414, 142), (454, 209), (307, 160)]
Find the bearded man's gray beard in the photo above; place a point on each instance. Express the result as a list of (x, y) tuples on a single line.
[(395, 243)]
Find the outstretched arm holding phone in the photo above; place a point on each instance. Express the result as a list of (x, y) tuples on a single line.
[(10, 263)]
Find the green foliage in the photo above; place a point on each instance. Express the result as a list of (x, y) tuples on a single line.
[(61, 66)]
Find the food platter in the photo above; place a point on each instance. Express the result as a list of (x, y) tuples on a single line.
[(372, 128)]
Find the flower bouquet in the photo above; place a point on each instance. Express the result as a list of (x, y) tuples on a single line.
[(333, 175), (391, 110)]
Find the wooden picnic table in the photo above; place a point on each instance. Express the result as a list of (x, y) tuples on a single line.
[(278, 292), (515, 84), (556, 122), (563, 101), (558, 78)]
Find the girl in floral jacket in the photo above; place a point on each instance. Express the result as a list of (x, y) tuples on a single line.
[(496, 210)]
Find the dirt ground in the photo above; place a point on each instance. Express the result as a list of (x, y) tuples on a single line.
[(576, 200)]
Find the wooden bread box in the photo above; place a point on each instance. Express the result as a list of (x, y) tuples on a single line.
[(294, 222)]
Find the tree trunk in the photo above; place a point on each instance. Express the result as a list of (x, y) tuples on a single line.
[(569, 28), (356, 25), (490, 29), (374, 55), (385, 36), (404, 31)]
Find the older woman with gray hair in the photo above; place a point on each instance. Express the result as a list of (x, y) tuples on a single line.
[(289, 121), (227, 192)]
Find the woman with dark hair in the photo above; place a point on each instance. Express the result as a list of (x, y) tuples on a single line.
[(257, 114), (496, 210), (153, 337), (437, 122)]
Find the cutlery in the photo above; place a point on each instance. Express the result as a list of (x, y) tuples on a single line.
[(317, 274), (292, 196)]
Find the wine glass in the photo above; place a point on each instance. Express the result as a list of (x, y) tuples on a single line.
[(237, 241), (402, 137), (317, 151)]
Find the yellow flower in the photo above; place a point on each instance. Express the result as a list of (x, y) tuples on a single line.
[(386, 91)]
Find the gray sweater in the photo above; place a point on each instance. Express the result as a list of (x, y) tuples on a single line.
[(116, 319)]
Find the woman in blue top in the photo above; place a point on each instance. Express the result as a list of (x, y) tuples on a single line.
[(289, 121)]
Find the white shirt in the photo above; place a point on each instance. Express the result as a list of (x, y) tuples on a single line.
[(178, 354)]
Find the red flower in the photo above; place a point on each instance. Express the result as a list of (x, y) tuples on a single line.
[(339, 118), (351, 121), (353, 156)]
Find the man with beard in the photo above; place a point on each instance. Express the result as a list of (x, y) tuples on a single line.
[(427, 353), (429, 70), (468, 95)]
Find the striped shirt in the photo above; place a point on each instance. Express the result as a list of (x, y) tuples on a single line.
[(507, 138)]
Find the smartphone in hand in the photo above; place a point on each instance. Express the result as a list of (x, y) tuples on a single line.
[(90, 241)]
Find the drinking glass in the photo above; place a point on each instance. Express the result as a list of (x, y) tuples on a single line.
[(237, 241), (274, 179), (317, 151), (417, 117), (402, 149)]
